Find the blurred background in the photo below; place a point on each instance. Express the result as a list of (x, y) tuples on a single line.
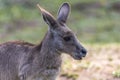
[(96, 23)]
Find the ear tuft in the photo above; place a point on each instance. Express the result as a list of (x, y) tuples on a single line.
[(48, 18), (43, 10)]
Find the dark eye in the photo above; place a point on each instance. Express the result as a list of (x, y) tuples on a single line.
[(67, 38)]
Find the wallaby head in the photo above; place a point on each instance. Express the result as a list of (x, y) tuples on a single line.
[(63, 39)]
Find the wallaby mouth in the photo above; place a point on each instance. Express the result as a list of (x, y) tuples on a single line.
[(80, 55)]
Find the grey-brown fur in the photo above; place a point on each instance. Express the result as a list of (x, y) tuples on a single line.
[(26, 61)]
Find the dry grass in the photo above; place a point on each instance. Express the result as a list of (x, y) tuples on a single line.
[(101, 63)]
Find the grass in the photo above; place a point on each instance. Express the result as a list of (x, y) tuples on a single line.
[(88, 29), (116, 73), (97, 27)]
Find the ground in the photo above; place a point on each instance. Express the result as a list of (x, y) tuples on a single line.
[(101, 63)]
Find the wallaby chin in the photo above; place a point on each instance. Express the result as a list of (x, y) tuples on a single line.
[(26, 61)]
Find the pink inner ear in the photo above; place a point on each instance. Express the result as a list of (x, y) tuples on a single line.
[(63, 12)]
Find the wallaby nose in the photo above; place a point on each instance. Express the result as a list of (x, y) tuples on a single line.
[(84, 52)]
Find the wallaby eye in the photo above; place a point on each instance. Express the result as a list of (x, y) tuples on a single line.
[(67, 38)]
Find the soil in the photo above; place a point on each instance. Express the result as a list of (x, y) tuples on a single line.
[(101, 63)]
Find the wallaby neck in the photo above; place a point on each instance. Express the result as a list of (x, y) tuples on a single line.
[(49, 56)]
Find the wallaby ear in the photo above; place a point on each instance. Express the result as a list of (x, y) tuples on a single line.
[(48, 18), (63, 12)]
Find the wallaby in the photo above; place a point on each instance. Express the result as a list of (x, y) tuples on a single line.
[(26, 61)]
